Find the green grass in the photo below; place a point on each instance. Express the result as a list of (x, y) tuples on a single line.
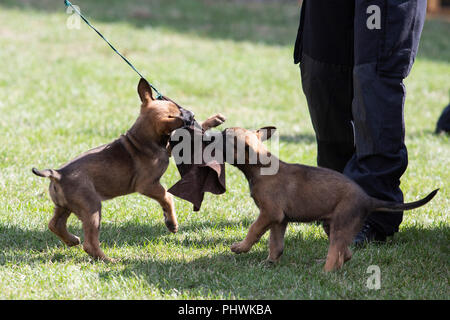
[(64, 91)]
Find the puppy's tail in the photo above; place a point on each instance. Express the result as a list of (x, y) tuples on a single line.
[(380, 205), (47, 173)]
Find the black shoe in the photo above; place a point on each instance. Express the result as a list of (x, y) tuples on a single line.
[(368, 234)]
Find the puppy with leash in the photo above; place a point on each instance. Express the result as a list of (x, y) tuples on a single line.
[(132, 163)]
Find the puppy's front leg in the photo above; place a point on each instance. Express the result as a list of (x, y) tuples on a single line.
[(213, 121), (276, 241), (256, 231), (165, 199)]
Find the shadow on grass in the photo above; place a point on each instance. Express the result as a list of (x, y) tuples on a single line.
[(222, 273), (250, 276), (273, 22), (133, 234)]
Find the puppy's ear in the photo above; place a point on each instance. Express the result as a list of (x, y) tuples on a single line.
[(145, 91), (265, 133)]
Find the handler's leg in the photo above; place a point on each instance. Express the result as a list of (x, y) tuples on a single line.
[(325, 47), (384, 54)]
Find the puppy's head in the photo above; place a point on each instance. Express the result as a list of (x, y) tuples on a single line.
[(162, 115), (244, 146)]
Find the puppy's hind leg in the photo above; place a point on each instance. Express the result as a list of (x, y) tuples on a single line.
[(338, 252), (91, 227), (58, 226), (90, 215)]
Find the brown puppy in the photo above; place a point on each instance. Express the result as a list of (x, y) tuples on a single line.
[(134, 162), (299, 193)]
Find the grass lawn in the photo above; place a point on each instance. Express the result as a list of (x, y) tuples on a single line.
[(64, 91)]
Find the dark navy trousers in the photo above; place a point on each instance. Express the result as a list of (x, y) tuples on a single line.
[(353, 58)]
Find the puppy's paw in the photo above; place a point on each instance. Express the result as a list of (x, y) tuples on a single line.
[(220, 118), (269, 263), (110, 260), (239, 247), (102, 258), (213, 121), (272, 261), (73, 241), (171, 226)]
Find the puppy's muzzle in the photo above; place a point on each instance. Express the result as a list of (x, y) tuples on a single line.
[(187, 117)]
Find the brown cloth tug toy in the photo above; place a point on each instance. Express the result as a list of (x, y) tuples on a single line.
[(198, 178)]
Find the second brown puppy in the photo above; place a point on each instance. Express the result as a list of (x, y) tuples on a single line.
[(299, 193)]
